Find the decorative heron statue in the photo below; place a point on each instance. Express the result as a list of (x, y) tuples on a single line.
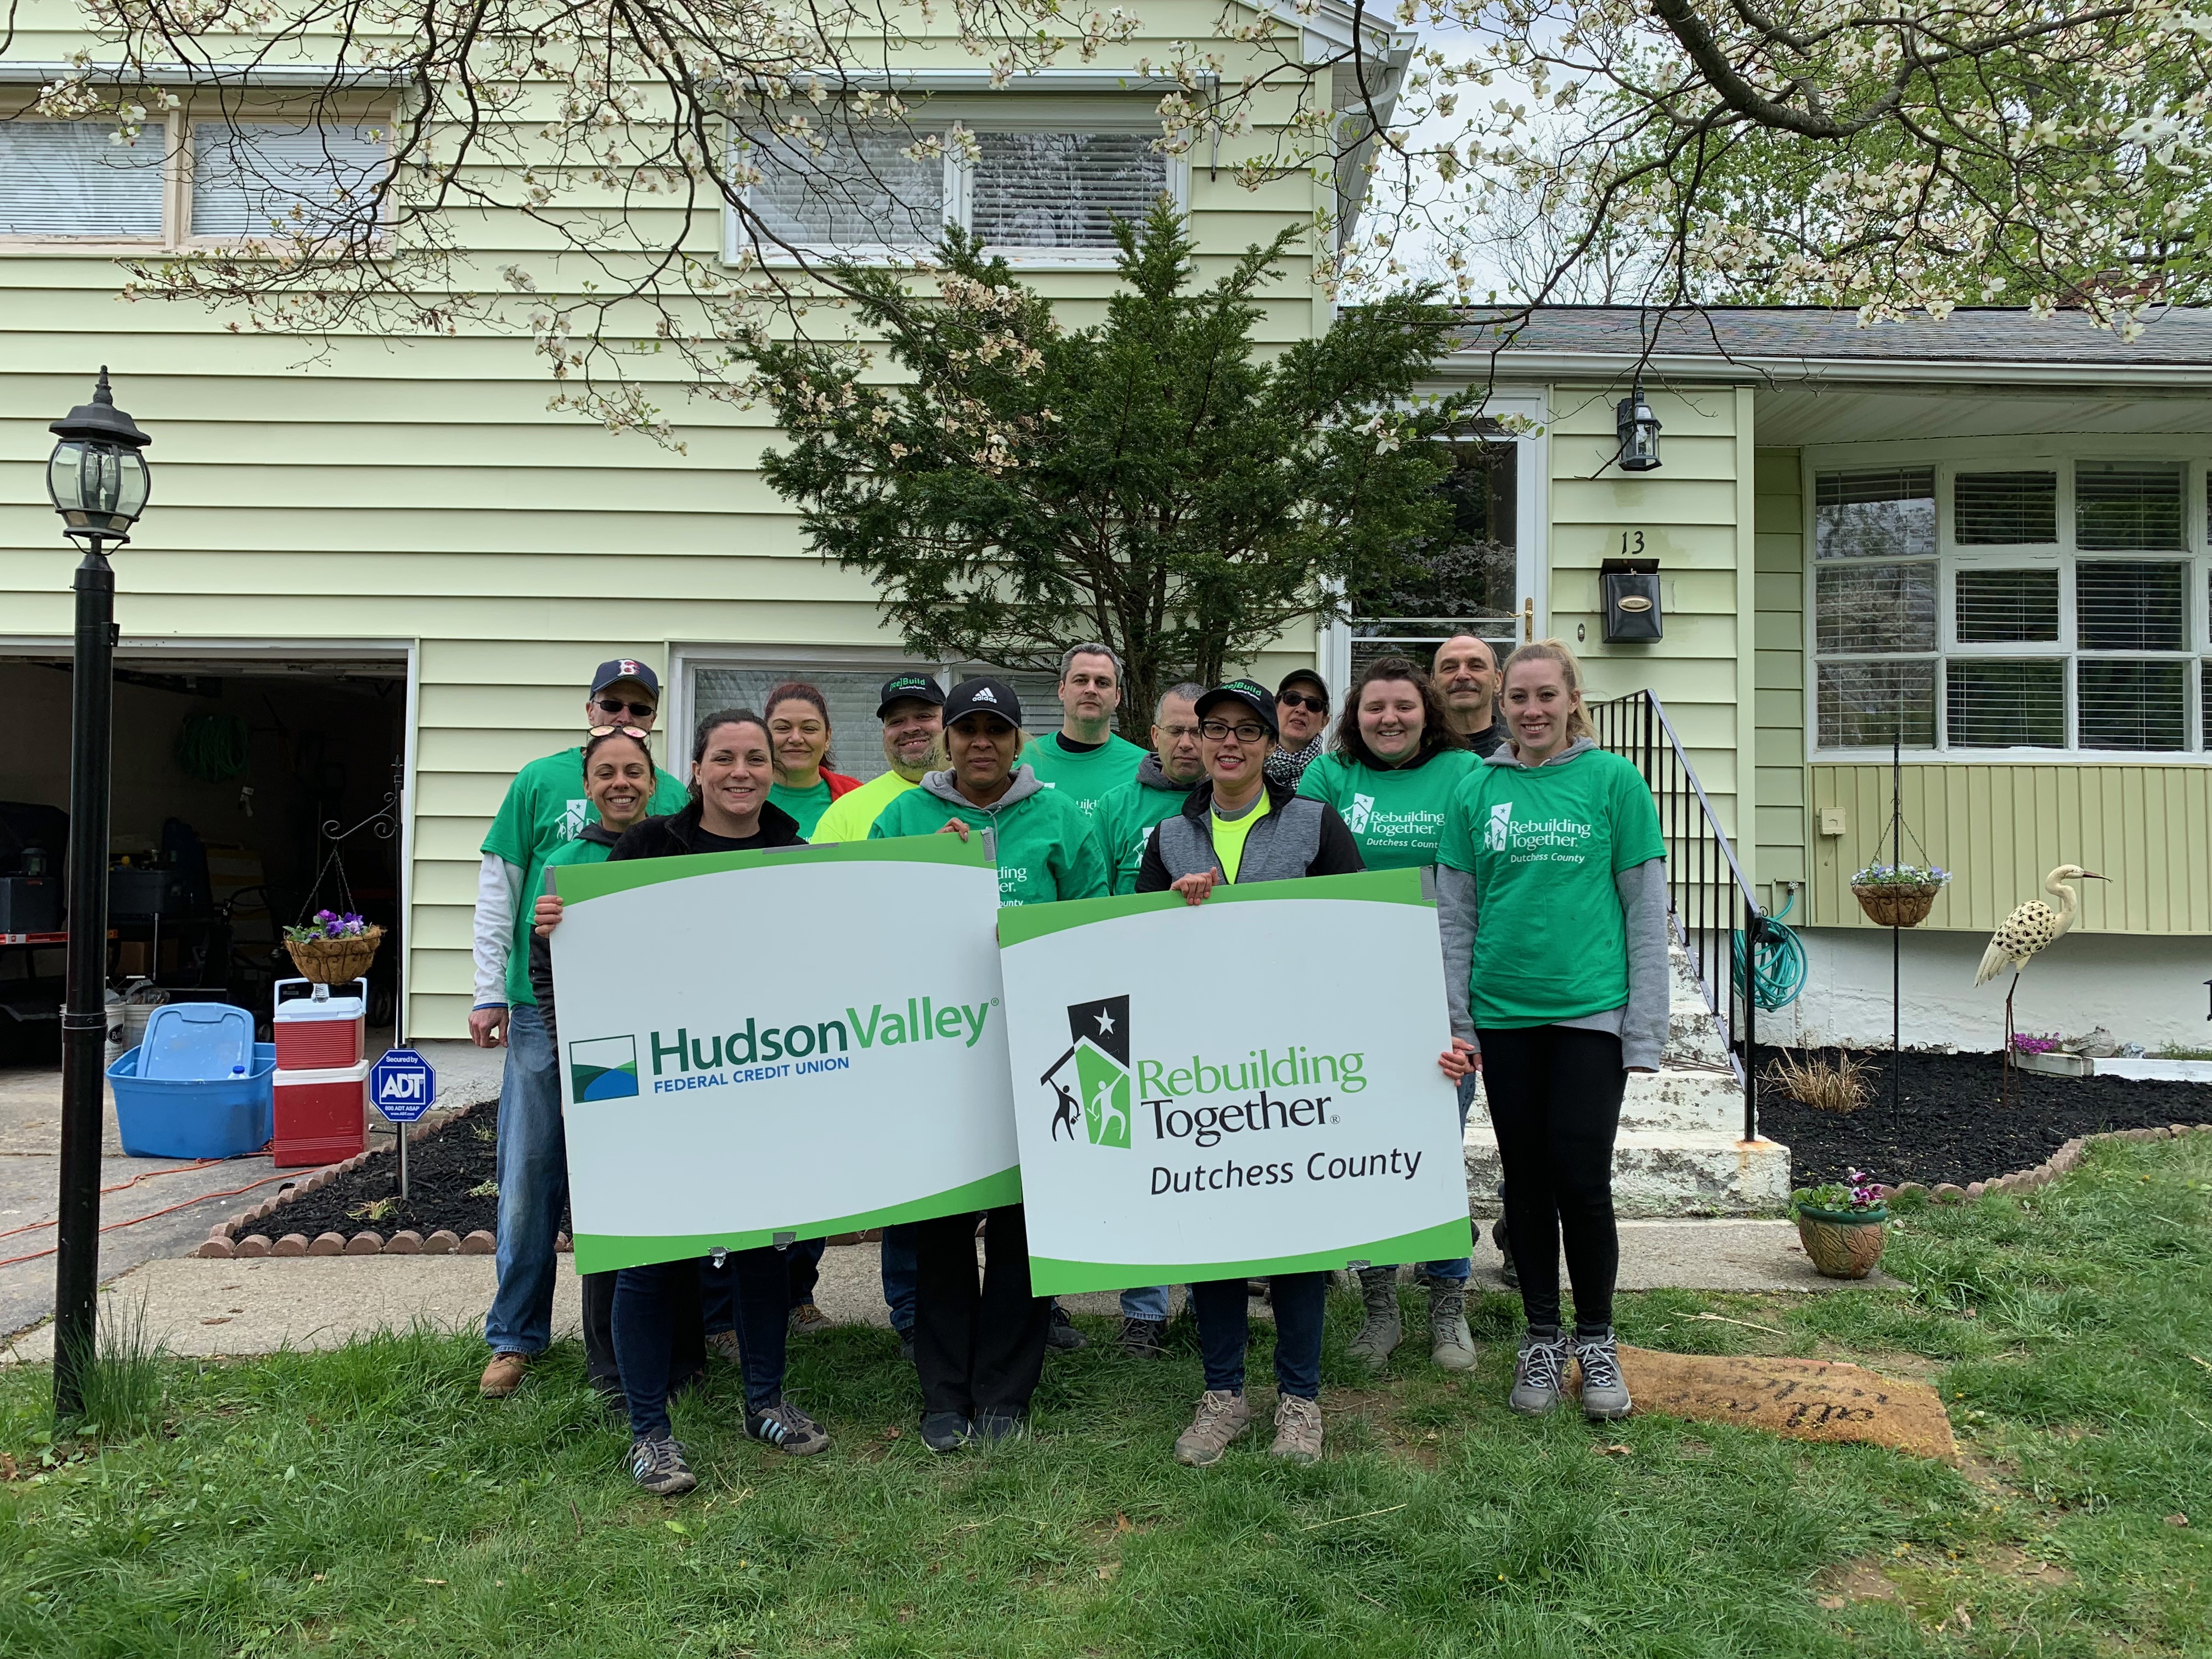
[(2028, 930)]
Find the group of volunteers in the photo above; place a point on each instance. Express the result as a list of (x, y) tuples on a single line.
[(1550, 878)]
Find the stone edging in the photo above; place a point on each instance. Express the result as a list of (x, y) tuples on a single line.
[(238, 1235), (2066, 1157)]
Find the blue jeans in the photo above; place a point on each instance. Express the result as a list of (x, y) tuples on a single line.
[(1224, 1327), (1451, 1274), (899, 1272), (803, 1266), (645, 1300), (1149, 1302), (532, 1171)]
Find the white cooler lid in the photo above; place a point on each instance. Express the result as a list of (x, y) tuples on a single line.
[(357, 1072)]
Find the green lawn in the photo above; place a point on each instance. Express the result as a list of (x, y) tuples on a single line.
[(366, 1502)]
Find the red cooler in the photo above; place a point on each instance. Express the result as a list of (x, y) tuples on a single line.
[(320, 1031), (322, 1116)]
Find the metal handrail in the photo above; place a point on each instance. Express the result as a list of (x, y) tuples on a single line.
[(1701, 872)]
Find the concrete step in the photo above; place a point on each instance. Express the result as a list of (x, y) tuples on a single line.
[(1664, 1172)]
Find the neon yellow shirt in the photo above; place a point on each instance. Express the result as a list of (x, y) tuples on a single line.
[(1229, 834), (850, 817)]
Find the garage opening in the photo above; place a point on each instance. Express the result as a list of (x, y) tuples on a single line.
[(250, 791)]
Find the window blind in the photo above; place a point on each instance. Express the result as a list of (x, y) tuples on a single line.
[(73, 178), (860, 191), (856, 741), (1887, 513), (2124, 505), (2132, 705), (2005, 705), (1062, 189), (261, 178), (2121, 606), (1876, 607), (2004, 509), (1861, 704), (2007, 606)]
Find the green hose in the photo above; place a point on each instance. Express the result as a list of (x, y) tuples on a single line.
[(213, 748), (1777, 972)]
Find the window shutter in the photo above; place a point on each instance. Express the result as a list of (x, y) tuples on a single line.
[(2120, 605), (263, 179), (860, 191), (1876, 607), (856, 744), (1885, 514), (2007, 606), (2125, 505), (2132, 705), (1063, 189), (73, 178), (1863, 704), (2006, 705), (2004, 509)]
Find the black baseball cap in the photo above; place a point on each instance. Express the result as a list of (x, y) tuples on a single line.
[(1303, 676), (909, 688), (987, 696), (1249, 694), (625, 668)]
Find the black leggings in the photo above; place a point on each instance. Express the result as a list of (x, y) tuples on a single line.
[(1555, 1102)]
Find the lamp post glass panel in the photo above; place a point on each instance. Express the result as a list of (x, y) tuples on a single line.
[(1638, 429), (99, 482)]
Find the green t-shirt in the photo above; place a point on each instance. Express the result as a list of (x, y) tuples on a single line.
[(1125, 820), (1047, 849), (807, 805), (1544, 844), (852, 812), (1229, 834), (1084, 778), (1397, 816), (545, 808)]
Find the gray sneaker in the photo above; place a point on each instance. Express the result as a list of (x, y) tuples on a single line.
[(1297, 1428), (1378, 1289), (658, 1466), (1451, 1345), (1539, 1374), (787, 1429), (1605, 1391), (1222, 1416)]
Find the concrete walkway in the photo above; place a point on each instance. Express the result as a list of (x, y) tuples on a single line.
[(193, 1307), (195, 1197)]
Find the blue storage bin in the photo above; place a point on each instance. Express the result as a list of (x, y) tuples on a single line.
[(161, 1117), (195, 1042)]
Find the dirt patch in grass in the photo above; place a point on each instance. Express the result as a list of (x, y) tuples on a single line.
[(1948, 1126), (1859, 1580)]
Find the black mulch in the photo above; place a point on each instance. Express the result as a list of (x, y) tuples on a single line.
[(1948, 1124), (441, 1168)]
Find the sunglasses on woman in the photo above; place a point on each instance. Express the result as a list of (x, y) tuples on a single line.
[(637, 711), (1303, 700), (610, 731)]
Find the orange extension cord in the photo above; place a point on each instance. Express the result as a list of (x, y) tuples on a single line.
[(120, 1185)]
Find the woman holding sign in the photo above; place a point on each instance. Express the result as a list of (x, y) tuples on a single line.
[(1553, 882), (1240, 825), (732, 770)]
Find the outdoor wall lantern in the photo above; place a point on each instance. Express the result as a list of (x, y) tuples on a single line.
[(1639, 433), (97, 477)]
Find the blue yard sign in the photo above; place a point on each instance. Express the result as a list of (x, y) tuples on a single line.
[(402, 1085)]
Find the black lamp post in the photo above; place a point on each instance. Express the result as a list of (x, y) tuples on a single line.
[(99, 481), (1638, 429)]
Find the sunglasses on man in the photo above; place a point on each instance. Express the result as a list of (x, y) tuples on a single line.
[(1303, 700), (636, 711)]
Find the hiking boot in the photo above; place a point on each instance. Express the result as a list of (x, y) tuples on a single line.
[(723, 1346), (1144, 1338), (1297, 1428), (1378, 1289), (1222, 1416), (658, 1466), (1000, 1428), (1450, 1344), (787, 1429), (1061, 1333), (1538, 1373), (1508, 1274), (807, 1319), (1605, 1391), (503, 1375), (944, 1431)]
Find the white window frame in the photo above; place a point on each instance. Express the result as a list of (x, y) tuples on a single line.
[(975, 117), (2033, 456), (679, 704)]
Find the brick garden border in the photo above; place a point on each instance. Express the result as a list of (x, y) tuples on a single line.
[(2065, 1158)]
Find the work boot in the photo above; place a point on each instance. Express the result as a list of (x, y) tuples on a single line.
[(1061, 1333), (1508, 1274), (1451, 1345), (1222, 1416), (1538, 1373), (1297, 1428), (1378, 1289), (503, 1375), (1144, 1338), (807, 1319), (1605, 1391)]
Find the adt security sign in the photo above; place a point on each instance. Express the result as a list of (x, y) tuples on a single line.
[(402, 1085)]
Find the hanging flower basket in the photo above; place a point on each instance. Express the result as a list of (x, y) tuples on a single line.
[(334, 949), (1898, 895)]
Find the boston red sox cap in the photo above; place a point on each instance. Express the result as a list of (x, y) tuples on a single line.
[(624, 668)]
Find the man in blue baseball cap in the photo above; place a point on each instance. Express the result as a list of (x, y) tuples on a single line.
[(545, 808)]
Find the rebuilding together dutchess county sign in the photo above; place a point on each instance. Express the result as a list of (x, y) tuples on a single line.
[(1185, 1114), (756, 1048)]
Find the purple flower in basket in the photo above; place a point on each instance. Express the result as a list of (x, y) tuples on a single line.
[(2022, 1044), (329, 924)]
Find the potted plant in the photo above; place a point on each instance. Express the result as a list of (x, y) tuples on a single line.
[(334, 949), (1899, 895), (1843, 1224)]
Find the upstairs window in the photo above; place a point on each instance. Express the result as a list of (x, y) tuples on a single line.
[(78, 178)]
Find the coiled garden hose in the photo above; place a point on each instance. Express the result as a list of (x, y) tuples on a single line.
[(1778, 972), (213, 748)]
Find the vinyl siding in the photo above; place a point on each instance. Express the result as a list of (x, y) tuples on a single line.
[(1778, 545)]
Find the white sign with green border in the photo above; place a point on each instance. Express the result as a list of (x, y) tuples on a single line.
[(1247, 1086), (764, 1046)]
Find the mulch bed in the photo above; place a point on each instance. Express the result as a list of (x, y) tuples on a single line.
[(1948, 1124), (442, 1168)]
